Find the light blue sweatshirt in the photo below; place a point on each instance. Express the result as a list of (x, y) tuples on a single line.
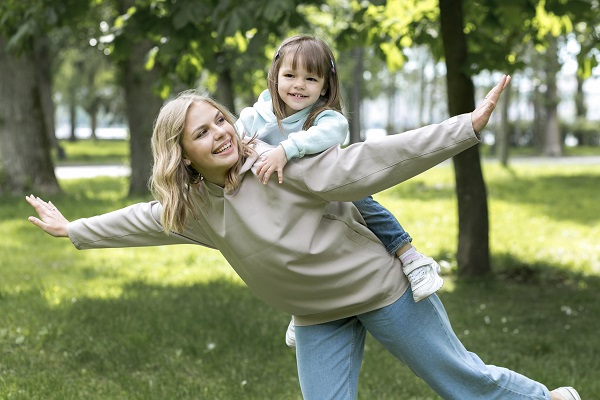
[(330, 128)]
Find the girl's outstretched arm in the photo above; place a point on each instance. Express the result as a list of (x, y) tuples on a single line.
[(50, 218)]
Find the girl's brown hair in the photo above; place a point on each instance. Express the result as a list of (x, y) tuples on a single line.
[(317, 58), (174, 184)]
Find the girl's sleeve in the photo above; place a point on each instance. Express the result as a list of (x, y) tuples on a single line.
[(244, 124), (367, 168), (330, 129), (137, 225)]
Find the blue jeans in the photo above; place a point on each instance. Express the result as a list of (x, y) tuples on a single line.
[(383, 224), (329, 355)]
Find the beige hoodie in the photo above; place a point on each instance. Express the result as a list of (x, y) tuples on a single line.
[(300, 246)]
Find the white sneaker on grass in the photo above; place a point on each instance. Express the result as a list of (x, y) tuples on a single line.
[(424, 278), (290, 334), (567, 393)]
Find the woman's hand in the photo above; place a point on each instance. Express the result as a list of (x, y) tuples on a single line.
[(50, 219), (481, 115)]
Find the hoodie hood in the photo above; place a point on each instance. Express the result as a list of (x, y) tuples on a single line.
[(264, 107)]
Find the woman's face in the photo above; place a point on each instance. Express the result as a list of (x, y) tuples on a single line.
[(209, 142)]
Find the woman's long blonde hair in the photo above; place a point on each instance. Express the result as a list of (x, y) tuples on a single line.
[(174, 184)]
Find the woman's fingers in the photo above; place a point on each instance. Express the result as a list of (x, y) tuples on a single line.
[(49, 219), (481, 115)]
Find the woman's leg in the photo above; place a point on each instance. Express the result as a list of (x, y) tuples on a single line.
[(420, 335), (329, 357)]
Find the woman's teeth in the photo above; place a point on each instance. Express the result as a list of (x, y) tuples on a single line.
[(222, 148)]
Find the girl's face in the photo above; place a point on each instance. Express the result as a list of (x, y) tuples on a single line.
[(209, 142), (297, 88)]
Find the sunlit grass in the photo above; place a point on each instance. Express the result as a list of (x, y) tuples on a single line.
[(94, 152), (176, 323)]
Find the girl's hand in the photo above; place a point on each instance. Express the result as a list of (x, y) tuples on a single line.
[(275, 160), (50, 219), (481, 115)]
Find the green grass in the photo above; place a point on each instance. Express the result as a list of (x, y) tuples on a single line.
[(94, 152), (176, 323)]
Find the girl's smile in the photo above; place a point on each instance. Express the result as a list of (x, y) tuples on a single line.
[(298, 88)]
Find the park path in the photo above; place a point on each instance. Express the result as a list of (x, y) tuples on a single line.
[(91, 171)]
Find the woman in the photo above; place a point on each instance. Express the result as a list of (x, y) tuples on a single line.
[(302, 247)]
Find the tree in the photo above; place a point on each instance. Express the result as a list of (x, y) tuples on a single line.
[(26, 109), (24, 147), (551, 140), (476, 35), (473, 226), (163, 46)]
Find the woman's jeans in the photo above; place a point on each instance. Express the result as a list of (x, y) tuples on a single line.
[(383, 224), (329, 355)]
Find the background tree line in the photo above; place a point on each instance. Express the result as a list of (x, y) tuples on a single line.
[(128, 56)]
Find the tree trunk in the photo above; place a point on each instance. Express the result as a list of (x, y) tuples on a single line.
[(580, 112), (473, 254), (390, 92), (503, 137), (26, 164), (72, 119), (142, 105), (225, 93), (539, 120), (41, 53), (93, 113), (552, 139), (355, 94)]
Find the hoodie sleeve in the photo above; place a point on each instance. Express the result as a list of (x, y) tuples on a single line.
[(137, 225), (244, 124), (363, 169), (330, 129)]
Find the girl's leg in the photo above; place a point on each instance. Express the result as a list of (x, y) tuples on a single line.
[(383, 224), (422, 272), (420, 335), (329, 357)]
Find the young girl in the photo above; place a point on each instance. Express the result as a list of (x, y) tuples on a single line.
[(301, 113)]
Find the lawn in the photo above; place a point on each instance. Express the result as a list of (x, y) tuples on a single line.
[(176, 323)]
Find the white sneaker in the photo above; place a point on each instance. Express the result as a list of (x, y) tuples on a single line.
[(566, 393), (424, 278), (290, 334)]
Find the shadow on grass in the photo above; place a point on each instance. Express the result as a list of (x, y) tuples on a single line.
[(212, 340), (538, 319), (218, 341), (564, 198)]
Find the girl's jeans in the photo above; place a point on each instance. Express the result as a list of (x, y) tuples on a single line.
[(329, 355), (383, 224)]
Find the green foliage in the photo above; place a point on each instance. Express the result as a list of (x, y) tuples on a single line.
[(175, 322), (22, 20)]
